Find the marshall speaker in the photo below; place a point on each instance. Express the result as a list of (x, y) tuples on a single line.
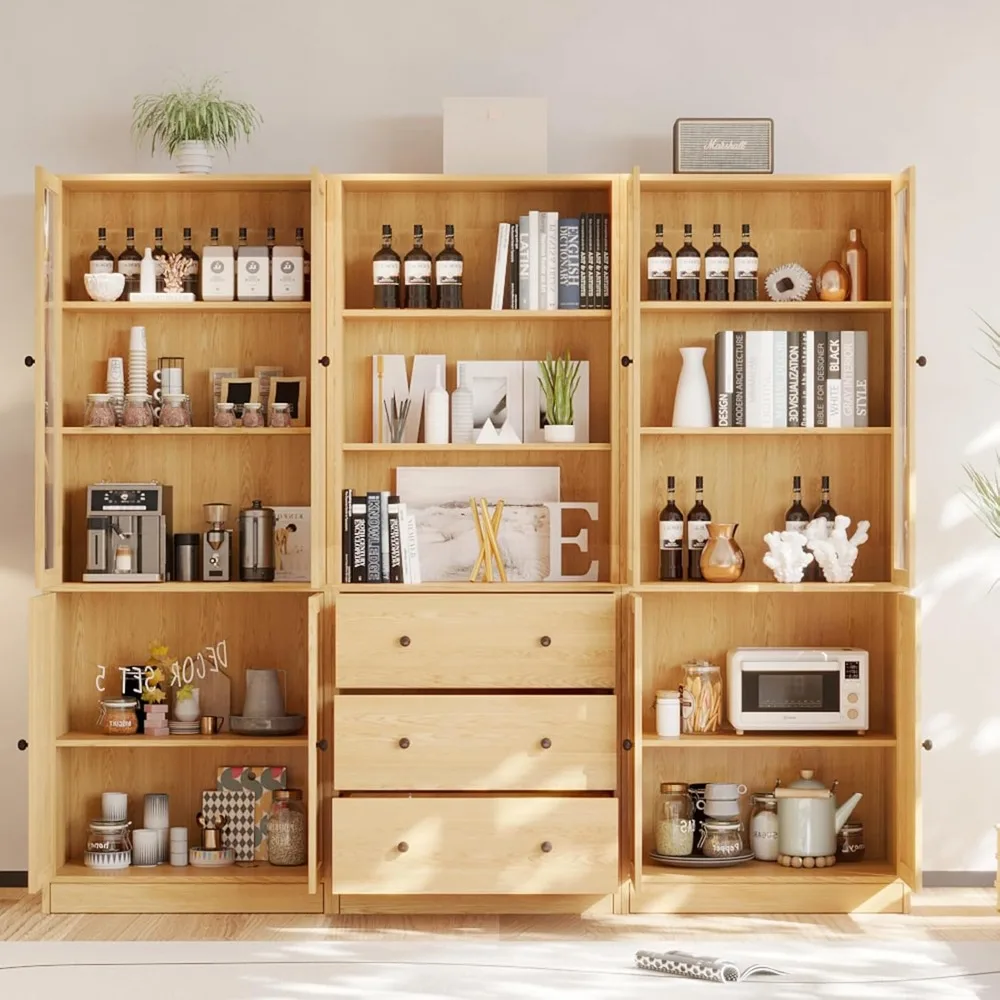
[(724, 146)]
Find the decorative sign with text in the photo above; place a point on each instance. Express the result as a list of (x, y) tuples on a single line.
[(212, 659)]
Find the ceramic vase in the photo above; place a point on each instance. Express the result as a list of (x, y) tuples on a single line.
[(693, 402), (188, 709), (722, 558), (193, 157), (856, 262), (436, 412), (461, 415), (559, 433), (833, 283)]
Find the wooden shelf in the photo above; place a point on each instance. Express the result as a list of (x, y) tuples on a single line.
[(769, 587), (764, 871), (764, 306), (196, 432), (455, 183), (475, 588), (222, 741), (792, 432), (793, 741), (204, 307), (479, 315), (452, 448), (77, 871), (196, 587), (185, 182)]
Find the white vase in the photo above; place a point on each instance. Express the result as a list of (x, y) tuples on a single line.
[(436, 413), (559, 433), (193, 158), (188, 709), (461, 415), (693, 402)]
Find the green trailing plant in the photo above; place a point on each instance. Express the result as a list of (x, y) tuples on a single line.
[(188, 115), (559, 379), (984, 490)]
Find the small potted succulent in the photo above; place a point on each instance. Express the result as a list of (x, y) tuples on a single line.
[(559, 379), (189, 124)]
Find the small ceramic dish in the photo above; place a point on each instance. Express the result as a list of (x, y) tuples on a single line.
[(108, 861), (104, 287), (200, 858)]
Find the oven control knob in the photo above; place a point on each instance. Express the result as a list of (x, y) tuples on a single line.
[(852, 713), (852, 698)]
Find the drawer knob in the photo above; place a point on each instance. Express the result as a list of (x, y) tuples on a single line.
[(402, 847), (404, 640), (404, 744), (546, 743), (546, 846), (546, 640)]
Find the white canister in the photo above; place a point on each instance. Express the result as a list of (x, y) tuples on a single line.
[(764, 827), (668, 714)]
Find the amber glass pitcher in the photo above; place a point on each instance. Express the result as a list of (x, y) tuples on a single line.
[(722, 558)]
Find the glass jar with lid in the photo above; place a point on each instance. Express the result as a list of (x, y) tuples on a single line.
[(225, 415), (106, 836), (764, 826), (252, 415), (118, 717), (851, 843), (138, 410), (287, 839), (280, 415), (721, 838), (176, 410), (100, 410), (674, 826), (701, 698)]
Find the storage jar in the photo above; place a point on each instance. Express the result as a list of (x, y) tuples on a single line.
[(764, 827), (175, 411), (280, 415), (138, 410), (118, 717), (287, 840), (252, 415), (668, 714), (225, 415), (106, 836), (721, 838), (701, 700), (100, 411), (851, 843), (674, 828)]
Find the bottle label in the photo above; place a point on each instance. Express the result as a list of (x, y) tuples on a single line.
[(697, 534), (745, 267), (102, 267), (796, 526), (449, 272), (688, 267), (130, 268), (716, 267), (418, 272), (158, 263), (671, 534), (385, 272), (658, 268)]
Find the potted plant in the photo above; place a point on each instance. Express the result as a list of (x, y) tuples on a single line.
[(559, 379), (189, 124)]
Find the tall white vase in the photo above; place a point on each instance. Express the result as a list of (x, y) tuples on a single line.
[(461, 414), (436, 413), (693, 402)]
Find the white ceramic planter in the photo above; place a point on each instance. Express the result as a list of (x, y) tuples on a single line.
[(560, 433), (193, 158)]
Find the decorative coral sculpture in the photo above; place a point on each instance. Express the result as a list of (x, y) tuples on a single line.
[(835, 552), (786, 557), (175, 269)]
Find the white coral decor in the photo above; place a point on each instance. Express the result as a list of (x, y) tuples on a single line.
[(786, 556), (834, 551)]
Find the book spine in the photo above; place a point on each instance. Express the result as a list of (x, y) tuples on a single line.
[(413, 552), (724, 378), (847, 378), (523, 263), (395, 542), (793, 416), (860, 378), (819, 418), (551, 287), (752, 381), (359, 543), (347, 498), (500, 265), (543, 259), (404, 549), (779, 379), (807, 379), (834, 380), (739, 378), (583, 260), (591, 259), (569, 263), (513, 266), (373, 539), (605, 262), (383, 511), (765, 369), (533, 260)]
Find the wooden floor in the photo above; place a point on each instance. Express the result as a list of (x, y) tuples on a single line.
[(938, 915)]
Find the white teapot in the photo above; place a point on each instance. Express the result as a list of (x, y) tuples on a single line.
[(809, 819)]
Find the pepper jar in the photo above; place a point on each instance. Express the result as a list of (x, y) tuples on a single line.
[(674, 821), (287, 842), (721, 838)]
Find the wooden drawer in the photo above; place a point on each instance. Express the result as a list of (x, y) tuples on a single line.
[(480, 742), (476, 641), (475, 845)]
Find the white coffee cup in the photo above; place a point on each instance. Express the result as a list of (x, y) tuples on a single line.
[(171, 380), (114, 806), (724, 790)]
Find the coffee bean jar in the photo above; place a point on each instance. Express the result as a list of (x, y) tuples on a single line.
[(851, 843)]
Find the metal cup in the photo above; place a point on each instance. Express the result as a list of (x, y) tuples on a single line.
[(211, 724)]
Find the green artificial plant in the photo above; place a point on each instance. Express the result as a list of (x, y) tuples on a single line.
[(984, 490), (559, 379), (188, 115)]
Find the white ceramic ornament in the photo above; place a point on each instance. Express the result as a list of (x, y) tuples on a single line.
[(786, 557), (788, 283), (835, 552)]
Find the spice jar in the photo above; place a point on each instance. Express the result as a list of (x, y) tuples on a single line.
[(106, 836), (138, 410), (721, 838), (280, 415), (701, 701), (764, 826), (668, 714), (252, 415), (100, 412), (175, 411), (674, 821), (118, 717), (851, 843), (225, 414), (287, 842)]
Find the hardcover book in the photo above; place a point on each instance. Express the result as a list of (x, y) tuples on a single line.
[(739, 378), (550, 299), (794, 379), (834, 382), (292, 545), (346, 544), (569, 263), (373, 538), (779, 380), (513, 266), (500, 265), (807, 379), (847, 378), (860, 378), (395, 542), (523, 263), (724, 378), (534, 284), (605, 262), (359, 542), (819, 390)]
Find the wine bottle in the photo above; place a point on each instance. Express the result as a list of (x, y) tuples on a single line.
[(796, 517), (825, 510), (271, 240), (448, 273), (717, 268), (658, 266), (688, 269), (102, 260), (745, 266), (128, 264), (300, 240), (417, 273), (385, 273), (671, 538), (242, 237), (698, 519), (159, 256), (191, 282)]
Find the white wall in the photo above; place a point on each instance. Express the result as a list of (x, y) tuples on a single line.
[(860, 85)]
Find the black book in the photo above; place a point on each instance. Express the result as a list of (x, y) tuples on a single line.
[(373, 540), (591, 260), (803, 379), (605, 262), (739, 378), (345, 533), (819, 350), (395, 542), (586, 234), (514, 270), (359, 533), (794, 351)]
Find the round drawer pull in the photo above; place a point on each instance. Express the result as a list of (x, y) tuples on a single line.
[(546, 743), (546, 640), (404, 640), (402, 847), (404, 744), (546, 846)]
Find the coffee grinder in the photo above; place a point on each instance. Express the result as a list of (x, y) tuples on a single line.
[(217, 552)]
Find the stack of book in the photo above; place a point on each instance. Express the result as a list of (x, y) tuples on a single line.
[(791, 378), (544, 262), (379, 539)]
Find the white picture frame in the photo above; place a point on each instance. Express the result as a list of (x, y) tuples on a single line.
[(497, 393), (534, 405)]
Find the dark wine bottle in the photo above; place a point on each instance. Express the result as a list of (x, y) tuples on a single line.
[(417, 273), (671, 538), (385, 273), (129, 261), (102, 260), (688, 270), (448, 273), (271, 240), (825, 510), (191, 282), (745, 265), (698, 519), (717, 268), (658, 267), (159, 256), (796, 517), (300, 240)]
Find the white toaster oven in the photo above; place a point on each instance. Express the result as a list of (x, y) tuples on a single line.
[(797, 689)]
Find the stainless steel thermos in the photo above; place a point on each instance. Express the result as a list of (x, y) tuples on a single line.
[(186, 553), (257, 543)]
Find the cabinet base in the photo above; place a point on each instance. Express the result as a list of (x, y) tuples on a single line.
[(501, 905)]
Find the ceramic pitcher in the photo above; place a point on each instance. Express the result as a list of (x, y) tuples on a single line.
[(722, 558)]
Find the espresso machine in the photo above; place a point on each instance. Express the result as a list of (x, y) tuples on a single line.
[(128, 533), (217, 552)]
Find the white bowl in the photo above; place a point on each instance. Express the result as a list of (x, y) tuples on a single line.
[(104, 287)]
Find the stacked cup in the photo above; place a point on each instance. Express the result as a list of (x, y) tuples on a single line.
[(114, 806), (156, 816), (145, 848), (178, 846), (138, 361), (722, 800), (115, 385)]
